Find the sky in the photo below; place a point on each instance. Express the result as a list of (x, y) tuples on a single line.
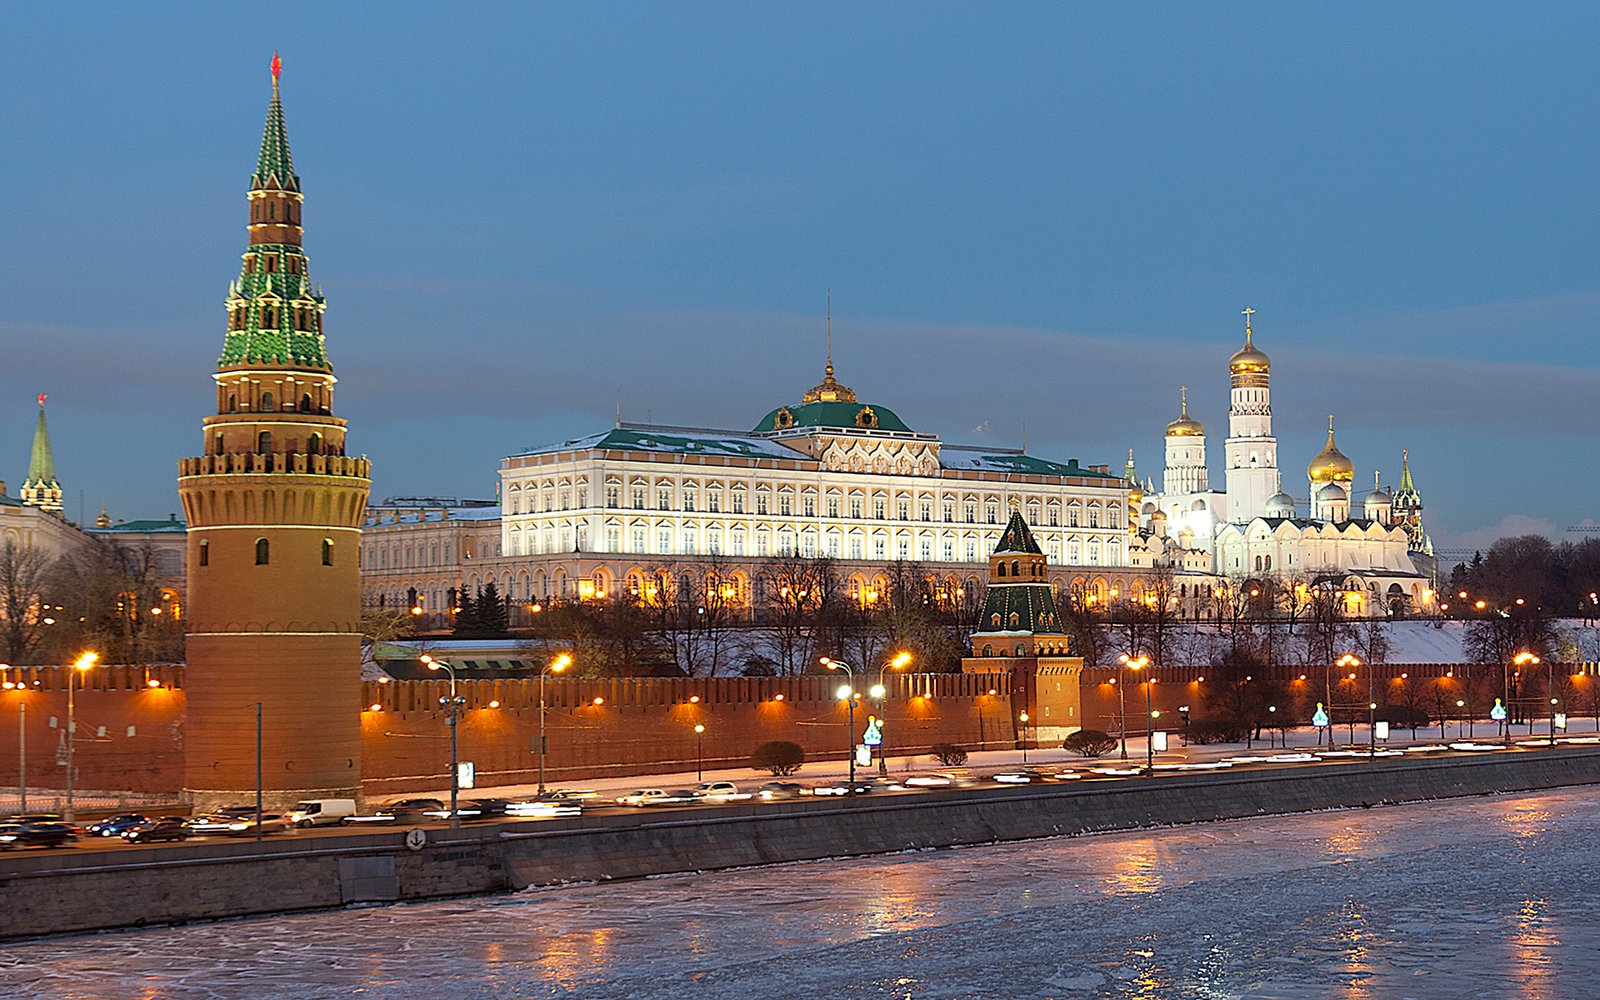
[(1034, 220)]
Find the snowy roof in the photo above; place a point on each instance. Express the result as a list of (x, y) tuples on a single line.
[(959, 457), (436, 516), (674, 440)]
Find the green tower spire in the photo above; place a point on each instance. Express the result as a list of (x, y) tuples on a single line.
[(274, 311), (275, 167), (41, 489)]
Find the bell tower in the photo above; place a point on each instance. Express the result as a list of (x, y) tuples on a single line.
[(274, 508)]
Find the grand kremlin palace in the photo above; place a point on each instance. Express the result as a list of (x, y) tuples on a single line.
[(641, 507)]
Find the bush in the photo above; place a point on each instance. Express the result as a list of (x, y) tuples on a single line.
[(780, 757), (949, 754), (1088, 743), (1204, 731)]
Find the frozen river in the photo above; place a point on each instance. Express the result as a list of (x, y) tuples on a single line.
[(1488, 897)]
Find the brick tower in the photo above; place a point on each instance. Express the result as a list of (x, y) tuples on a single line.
[(274, 509)]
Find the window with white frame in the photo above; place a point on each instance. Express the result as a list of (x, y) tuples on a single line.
[(833, 507), (690, 495), (664, 541), (785, 504), (880, 548), (663, 498), (738, 500), (855, 548), (613, 495)]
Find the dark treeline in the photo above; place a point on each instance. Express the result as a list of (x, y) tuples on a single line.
[(103, 598)]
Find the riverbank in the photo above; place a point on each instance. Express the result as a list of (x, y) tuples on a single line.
[(63, 892)]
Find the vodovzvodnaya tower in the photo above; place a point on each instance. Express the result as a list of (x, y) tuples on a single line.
[(274, 508)]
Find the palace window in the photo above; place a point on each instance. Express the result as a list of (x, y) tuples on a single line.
[(927, 510), (925, 550), (663, 498), (855, 507), (880, 549), (809, 505), (613, 495), (949, 550), (1072, 517), (637, 496), (879, 508), (613, 539), (714, 500), (689, 497), (263, 552), (664, 541), (785, 504), (903, 510), (972, 512), (1094, 517), (992, 512), (949, 511), (638, 544), (833, 506), (972, 551), (855, 547), (761, 502)]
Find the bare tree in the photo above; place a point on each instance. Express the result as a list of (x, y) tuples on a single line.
[(24, 578)]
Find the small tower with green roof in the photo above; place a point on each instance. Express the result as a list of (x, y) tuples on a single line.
[(41, 489)]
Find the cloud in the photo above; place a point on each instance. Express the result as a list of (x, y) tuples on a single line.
[(1480, 539)]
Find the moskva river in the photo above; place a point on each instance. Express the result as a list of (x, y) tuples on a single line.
[(1487, 897)]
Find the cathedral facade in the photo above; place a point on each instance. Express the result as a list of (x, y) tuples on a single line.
[(1370, 546)]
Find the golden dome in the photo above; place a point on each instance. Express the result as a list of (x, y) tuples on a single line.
[(1248, 359), (1183, 426), (1331, 465)]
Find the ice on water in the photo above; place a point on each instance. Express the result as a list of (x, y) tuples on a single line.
[(1482, 897)]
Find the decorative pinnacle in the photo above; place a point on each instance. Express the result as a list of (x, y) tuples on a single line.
[(41, 400), (1247, 312), (1183, 393), (828, 370), (277, 67)]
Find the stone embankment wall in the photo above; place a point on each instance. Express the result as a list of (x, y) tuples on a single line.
[(96, 890)]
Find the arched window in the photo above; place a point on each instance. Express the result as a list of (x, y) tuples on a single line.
[(305, 400), (988, 650), (262, 552), (205, 553), (1016, 567), (233, 403), (1000, 568), (411, 596), (327, 552), (316, 444), (264, 442), (268, 404)]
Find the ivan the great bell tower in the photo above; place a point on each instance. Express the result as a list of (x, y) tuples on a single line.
[(274, 508)]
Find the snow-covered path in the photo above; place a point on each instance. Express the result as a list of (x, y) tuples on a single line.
[(1488, 897)]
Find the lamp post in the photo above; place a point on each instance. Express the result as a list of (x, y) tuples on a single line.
[(880, 693), (699, 756), (82, 666), (1134, 663), (1022, 721), (1346, 662), (555, 666), (453, 703), (847, 694), (1522, 659)]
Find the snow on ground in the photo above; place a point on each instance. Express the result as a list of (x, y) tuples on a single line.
[(1485, 897)]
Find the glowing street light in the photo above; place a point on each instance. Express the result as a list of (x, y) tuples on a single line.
[(453, 703), (1522, 659), (1132, 663), (555, 666), (83, 665), (847, 694), (699, 756), (880, 694)]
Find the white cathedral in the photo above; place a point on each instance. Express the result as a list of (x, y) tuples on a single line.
[(1372, 550)]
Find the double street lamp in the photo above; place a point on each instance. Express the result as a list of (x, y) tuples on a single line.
[(555, 666), (847, 694), (1523, 659), (453, 703)]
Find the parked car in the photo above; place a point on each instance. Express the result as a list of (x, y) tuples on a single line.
[(642, 796), (14, 835), (115, 826), (160, 828), (321, 812)]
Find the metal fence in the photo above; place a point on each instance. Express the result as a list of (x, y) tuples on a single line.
[(54, 800)]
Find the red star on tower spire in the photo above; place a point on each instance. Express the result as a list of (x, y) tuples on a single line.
[(277, 67)]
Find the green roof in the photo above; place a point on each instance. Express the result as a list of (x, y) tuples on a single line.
[(675, 441), (958, 457), (832, 414), (1017, 537), (1034, 604), (275, 167), (42, 462), (147, 527)]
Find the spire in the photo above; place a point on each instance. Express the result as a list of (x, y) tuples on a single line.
[(1183, 394), (104, 520), (1017, 537), (40, 489), (275, 168), (827, 371), (1128, 471), (829, 390), (1406, 486)]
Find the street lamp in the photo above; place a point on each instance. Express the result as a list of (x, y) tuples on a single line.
[(699, 756), (847, 694), (555, 666), (1022, 719), (1346, 662), (1522, 659), (453, 704), (880, 694), (82, 666), (1132, 663)]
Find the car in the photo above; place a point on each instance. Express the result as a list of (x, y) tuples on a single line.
[(642, 796), (488, 808), (938, 780), (320, 812), (781, 790), (160, 828), (404, 811), (15, 835), (543, 809), (233, 824), (719, 791), (845, 788), (115, 826), (569, 794), (1026, 776)]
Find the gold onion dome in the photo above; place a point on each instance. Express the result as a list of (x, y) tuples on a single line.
[(1248, 359), (1331, 465), (1184, 426)]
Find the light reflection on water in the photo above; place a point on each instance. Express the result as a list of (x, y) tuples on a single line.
[(1479, 897)]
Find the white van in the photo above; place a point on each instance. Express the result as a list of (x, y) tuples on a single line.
[(321, 812)]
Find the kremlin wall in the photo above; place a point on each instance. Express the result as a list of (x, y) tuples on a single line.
[(132, 722)]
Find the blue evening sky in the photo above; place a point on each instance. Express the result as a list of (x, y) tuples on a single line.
[(1030, 215)]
